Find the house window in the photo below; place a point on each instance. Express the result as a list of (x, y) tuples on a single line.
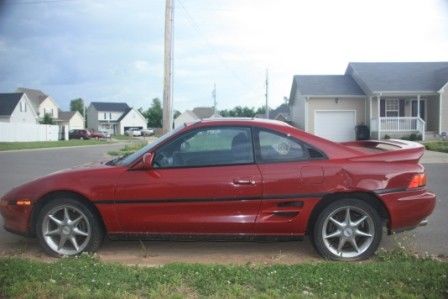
[(105, 115), (392, 108), (22, 106), (110, 115)]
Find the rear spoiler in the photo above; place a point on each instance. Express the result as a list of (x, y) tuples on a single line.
[(392, 150)]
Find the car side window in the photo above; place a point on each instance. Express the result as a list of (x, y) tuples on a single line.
[(279, 148), (207, 147)]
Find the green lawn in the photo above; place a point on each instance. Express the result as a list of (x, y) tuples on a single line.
[(4, 146), (438, 146), (386, 276)]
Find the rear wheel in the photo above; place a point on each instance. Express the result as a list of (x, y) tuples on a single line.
[(67, 227), (347, 230)]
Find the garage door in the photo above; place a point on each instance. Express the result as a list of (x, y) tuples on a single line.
[(335, 125)]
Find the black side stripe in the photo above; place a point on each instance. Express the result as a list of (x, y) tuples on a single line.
[(390, 190), (221, 199)]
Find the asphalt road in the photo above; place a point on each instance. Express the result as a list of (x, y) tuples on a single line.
[(21, 166)]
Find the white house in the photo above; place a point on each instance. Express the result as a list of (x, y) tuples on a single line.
[(72, 119), (196, 114), (115, 118), (42, 103), (392, 99), (16, 108)]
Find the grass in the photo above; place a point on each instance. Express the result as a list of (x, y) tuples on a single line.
[(438, 146), (388, 275), (128, 149), (123, 137), (4, 146)]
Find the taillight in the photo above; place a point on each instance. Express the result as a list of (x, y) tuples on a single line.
[(418, 180)]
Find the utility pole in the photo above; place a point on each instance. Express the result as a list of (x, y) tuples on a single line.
[(215, 104), (168, 68), (267, 94)]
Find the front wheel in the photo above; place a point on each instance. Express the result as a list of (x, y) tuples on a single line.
[(347, 230), (67, 227)]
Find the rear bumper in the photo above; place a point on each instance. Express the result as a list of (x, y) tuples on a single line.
[(407, 209)]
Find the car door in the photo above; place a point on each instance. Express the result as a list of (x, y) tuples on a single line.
[(205, 181), (292, 180)]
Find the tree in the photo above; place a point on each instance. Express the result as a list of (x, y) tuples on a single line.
[(238, 111), (47, 120), (77, 105), (261, 110), (176, 114), (154, 114)]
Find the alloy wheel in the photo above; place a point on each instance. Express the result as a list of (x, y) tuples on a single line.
[(66, 230), (348, 232)]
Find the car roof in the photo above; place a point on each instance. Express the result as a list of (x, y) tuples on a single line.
[(242, 120)]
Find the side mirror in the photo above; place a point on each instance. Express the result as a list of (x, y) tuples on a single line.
[(147, 160)]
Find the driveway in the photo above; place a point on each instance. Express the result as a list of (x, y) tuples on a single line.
[(18, 167)]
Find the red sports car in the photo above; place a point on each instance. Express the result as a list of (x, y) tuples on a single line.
[(231, 178)]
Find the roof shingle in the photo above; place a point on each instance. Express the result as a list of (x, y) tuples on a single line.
[(327, 85), (400, 76), (8, 102), (110, 106)]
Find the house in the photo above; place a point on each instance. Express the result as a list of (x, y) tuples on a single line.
[(16, 108), (280, 113), (72, 119), (395, 99), (114, 118), (42, 103), (196, 114)]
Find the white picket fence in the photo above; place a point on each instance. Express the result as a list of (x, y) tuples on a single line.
[(10, 132)]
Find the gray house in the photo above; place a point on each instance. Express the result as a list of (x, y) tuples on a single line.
[(394, 99)]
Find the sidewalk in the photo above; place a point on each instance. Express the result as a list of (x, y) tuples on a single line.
[(434, 157)]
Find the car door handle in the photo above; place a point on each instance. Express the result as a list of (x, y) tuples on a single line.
[(243, 182)]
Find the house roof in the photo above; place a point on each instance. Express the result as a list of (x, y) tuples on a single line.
[(204, 112), (35, 96), (110, 106), (8, 102), (282, 110), (399, 76), (66, 115), (326, 85)]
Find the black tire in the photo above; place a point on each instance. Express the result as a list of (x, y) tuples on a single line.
[(96, 232), (328, 247)]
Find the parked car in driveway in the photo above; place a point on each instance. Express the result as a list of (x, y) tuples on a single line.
[(147, 132), (79, 134), (231, 179), (97, 134), (133, 132)]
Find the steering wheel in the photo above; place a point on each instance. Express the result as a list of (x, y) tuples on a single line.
[(161, 160)]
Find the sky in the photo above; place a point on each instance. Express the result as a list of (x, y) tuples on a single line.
[(112, 50)]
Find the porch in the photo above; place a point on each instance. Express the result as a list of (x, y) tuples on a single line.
[(402, 116)]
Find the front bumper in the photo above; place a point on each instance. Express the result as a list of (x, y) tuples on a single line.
[(16, 218), (407, 209)]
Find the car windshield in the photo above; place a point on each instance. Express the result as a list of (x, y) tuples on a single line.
[(128, 159)]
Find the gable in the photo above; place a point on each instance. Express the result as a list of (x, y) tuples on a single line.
[(132, 114)]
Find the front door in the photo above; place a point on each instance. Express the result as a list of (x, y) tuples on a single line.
[(203, 182)]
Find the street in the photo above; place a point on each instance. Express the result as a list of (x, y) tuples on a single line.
[(21, 166)]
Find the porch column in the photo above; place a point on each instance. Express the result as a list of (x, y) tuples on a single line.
[(378, 98), (418, 105)]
